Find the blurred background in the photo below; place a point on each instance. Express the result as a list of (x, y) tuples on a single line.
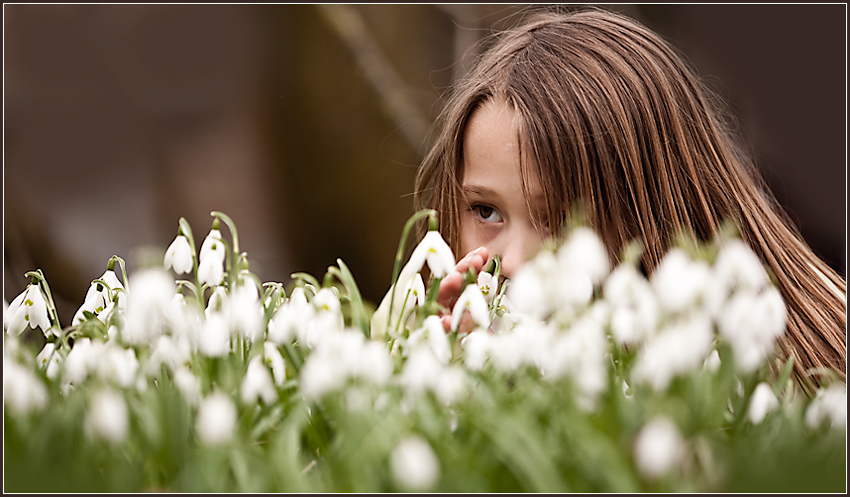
[(305, 124)]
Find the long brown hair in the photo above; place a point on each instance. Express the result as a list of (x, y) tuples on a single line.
[(612, 119)]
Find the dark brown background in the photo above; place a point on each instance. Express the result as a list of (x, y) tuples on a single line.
[(119, 119)]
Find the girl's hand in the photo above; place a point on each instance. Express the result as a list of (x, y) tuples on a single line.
[(452, 285)]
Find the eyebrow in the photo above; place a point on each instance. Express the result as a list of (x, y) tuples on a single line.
[(483, 191)]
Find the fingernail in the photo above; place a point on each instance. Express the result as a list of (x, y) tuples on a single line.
[(479, 249)]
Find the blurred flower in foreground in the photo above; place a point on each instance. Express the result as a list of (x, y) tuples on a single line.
[(22, 390), (216, 419), (414, 464), (762, 402), (829, 405), (258, 383), (657, 448), (107, 415)]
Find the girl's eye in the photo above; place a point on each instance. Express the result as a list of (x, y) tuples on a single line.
[(487, 213)]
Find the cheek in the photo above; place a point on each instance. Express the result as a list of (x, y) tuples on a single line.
[(470, 235)]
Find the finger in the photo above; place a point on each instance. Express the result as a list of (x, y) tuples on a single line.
[(474, 259), (450, 288), (446, 319)]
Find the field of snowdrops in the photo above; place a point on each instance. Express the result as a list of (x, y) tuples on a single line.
[(195, 376)]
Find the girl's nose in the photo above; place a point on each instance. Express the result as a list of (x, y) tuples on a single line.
[(516, 249)]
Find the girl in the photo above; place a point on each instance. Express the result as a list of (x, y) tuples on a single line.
[(591, 110)]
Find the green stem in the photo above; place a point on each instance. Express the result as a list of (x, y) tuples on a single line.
[(51, 305), (123, 270), (400, 253), (186, 230), (358, 312)]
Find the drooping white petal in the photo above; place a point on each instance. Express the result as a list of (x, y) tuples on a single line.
[(211, 271), (679, 281), (472, 300), (274, 359), (258, 383), (179, 255), (433, 250), (213, 246)]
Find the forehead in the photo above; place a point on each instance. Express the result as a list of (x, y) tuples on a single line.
[(491, 159)]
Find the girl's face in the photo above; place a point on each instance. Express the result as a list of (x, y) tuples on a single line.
[(494, 211)]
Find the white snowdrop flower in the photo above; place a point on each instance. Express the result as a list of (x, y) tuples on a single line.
[(83, 358), (828, 406), (274, 360), (326, 301), (450, 384), (291, 318), (574, 289), (657, 448), (488, 285), (681, 346), (213, 246), (634, 310), (374, 363), (23, 391), (584, 250), (99, 297), (712, 363), (215, 337), (476, 349), (762, 402), (735, 267), (321, 325), (211, 271), (54, 365), (579, 353), (318, 377), (420, 371), (5, 315), (433, 250), (519, 347), (356, 399), (179, 255), (216, 421), (679, 281), (164, 354), (29, 308), (245, 312), (43, 357), (188, 384), (331, 363), (216, 303), (416, 287), (151, 291), (473, 301), (751, 323), (432, 334), (108, 416), (185, 320), (414, 464), (534, 288), (118, 365), (258, 383)]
